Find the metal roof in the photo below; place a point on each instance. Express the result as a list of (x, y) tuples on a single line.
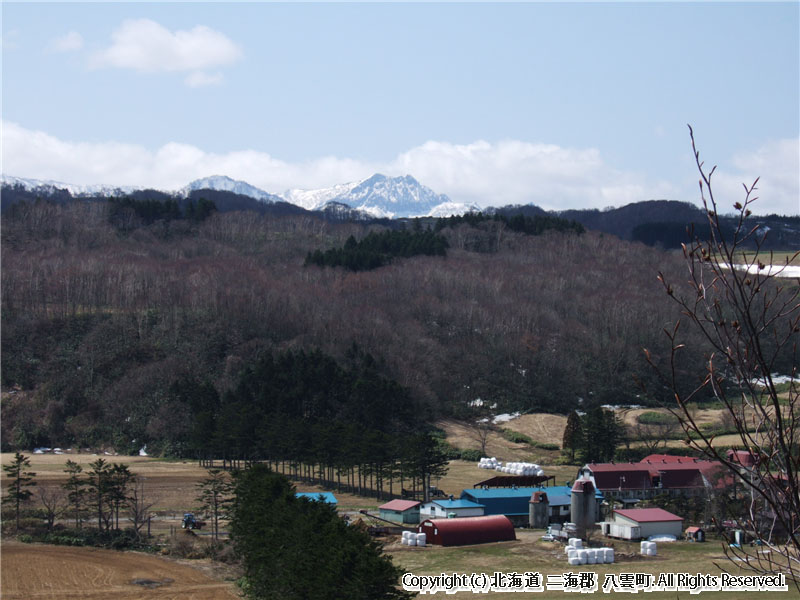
[(526, 492), (327, 497), (647, 515), (468, 530), (515, 480), (399, 505), (460, 503)]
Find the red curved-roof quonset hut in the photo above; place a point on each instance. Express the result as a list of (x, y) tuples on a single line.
[(467, 530)]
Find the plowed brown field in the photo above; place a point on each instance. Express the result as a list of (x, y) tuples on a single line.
[(33, 571)]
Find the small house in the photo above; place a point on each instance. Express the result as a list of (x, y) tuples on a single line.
[(451, 509), (400, 511), (474, 530), (695, 534)]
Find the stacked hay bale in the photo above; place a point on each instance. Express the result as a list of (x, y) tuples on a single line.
[(648, 549)]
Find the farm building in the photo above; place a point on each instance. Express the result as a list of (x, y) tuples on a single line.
[(515, 502), (400, 511), (653, 475), (695, 534), (445, 508), (460, 532), (326, 497), (641, 523)]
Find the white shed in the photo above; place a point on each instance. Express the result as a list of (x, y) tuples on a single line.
[(646, 522), (442, 508)]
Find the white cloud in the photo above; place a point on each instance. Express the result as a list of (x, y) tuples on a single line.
[(481, 173), (148, 47), (776, 164), (68, 42), (200, 78), (514, 172)]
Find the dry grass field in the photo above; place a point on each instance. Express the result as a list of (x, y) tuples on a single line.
[(528, 553), (40, 571), (540, 427), (57, 572)]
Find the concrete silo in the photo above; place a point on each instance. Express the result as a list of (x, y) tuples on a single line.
[(539, 517), (583, 506)]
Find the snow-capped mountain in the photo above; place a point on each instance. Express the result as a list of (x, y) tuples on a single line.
[(451, 209), (224, 183), (316, 199), (379, 195), (48, 186)]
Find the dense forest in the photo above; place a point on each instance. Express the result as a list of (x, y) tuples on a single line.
[(102, 327)]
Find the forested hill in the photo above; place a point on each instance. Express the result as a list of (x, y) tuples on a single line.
[(100, 324), (664, 223)]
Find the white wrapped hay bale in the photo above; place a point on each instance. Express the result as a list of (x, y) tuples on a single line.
[(651, 551), (583, 556), (609, 558), (591, 556), (574, 561), (422, 539), (572, 554), (643, 546), (412, 540), (568, 549)]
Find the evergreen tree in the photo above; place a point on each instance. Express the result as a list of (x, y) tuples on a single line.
[(573, 432), (20, 480), (424, 459), (120, 478), (215, 497), (76, 494), (602, 433), (294, 548), (99, 484)]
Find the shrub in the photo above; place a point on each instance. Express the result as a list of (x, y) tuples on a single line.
[(546, 446), (471, 455), (652, 417), (517, 437)]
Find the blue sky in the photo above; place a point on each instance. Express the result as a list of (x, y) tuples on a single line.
[(563, 105)]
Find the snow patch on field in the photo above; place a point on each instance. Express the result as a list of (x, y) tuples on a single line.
[(505, 418), (776, 270)]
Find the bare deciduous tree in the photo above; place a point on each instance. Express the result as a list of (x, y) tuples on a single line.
[(654, 435), (480, 430), (749, 318), (54, 503), (138, 505)]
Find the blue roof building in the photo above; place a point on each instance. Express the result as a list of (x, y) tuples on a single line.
[(326, 497), (514, 502)]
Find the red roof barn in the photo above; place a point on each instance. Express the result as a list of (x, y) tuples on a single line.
[(469, 530)]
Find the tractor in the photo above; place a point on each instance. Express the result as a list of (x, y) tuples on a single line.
[(190, 522)]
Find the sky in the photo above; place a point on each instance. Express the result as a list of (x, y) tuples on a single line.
[(563, 105)]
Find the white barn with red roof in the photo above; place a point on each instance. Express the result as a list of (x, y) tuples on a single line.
[(642, 523)]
